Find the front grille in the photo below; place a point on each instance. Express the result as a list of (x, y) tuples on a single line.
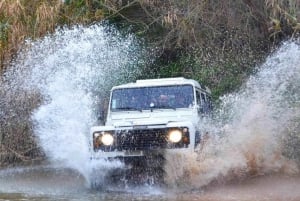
[(143, 139)]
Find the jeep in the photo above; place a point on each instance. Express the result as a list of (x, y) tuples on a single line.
[(149, 118)]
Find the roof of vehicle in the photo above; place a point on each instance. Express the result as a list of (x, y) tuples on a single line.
[(162, 82)]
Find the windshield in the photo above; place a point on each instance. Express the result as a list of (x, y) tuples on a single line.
[(145, 98)]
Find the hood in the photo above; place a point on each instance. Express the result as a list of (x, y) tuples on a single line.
[(156, 117)]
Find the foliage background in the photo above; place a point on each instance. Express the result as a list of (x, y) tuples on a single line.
[(216, 42)]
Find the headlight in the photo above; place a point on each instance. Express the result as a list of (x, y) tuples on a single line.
[(107, 139), (175, 135)]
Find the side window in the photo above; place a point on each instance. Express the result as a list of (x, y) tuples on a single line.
[(209, 102), (198, 98), (203, 103)]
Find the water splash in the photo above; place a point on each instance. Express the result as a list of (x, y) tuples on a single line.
[(250, 132), (72, 69)]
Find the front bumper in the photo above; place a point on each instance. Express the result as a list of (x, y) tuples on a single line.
[(145, 139), (140, 140)]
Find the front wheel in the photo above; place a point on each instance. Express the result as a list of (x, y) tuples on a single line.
[(148, 169), (139, 170)]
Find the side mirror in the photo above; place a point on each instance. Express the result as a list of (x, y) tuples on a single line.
[(100, 117)]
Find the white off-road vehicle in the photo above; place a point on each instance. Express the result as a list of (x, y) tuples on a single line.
[(151, 117)]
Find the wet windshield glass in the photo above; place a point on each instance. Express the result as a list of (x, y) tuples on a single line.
[(145, 98)]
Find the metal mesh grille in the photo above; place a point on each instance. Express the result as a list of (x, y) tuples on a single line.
[(141, 139)]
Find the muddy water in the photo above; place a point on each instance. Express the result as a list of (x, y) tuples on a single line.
[(55, 183)]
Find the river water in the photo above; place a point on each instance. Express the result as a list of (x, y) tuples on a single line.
[(53, 183), (252, 153)]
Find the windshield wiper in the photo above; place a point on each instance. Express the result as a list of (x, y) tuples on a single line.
[(129, 108), (163, 107)]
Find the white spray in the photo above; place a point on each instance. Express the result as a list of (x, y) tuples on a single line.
[(71, 68), (248, 133)]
